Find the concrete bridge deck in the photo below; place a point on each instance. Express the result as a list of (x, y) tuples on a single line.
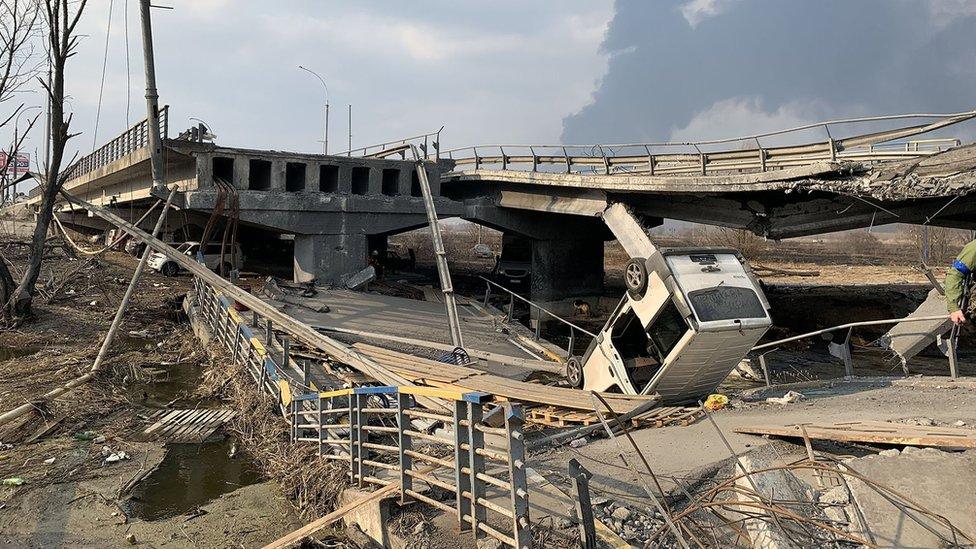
[(331, 212)]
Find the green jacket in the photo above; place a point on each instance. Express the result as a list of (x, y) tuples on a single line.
[(954, 278)]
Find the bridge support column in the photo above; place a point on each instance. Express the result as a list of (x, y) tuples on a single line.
[(566, 268), (329, 258)]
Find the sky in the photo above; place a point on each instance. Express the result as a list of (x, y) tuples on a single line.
[(519, 71)]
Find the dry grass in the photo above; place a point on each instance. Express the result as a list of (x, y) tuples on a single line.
[(312, 484)]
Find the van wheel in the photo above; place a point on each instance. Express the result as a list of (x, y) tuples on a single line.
[(574, 372), (170, 269), (635, 277)]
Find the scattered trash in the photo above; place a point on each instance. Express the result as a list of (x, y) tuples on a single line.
[(49, 461), (747, 370), (85, 435), (959, 423), (100, 439), (578, 443), (716, 402), (108, 456), (13, 481), (131, 538), (789, 398)]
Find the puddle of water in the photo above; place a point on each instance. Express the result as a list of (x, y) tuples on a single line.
[(177, 383), (7, 353), (190, 476)]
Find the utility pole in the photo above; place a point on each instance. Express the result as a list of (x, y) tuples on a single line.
[(152, 98), (350, 131)]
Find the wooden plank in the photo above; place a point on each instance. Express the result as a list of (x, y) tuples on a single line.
[(301, 331), (877, 432), (193, 425), (445, 375)]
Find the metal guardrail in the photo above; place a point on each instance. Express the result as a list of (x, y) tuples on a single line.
[(670, 158), (400, 146), (376, 424), (512, 296), (844, 351), (373, 429), (131, 140)]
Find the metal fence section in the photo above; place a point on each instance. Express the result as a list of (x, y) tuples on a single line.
[(510, 313), (131, 140), (701, 158), (442, 460), (460, 463)]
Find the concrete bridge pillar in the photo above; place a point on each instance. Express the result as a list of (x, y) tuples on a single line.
[(329, 258), (567, 268)]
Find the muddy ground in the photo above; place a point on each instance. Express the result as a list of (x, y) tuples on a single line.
[(189, 495)]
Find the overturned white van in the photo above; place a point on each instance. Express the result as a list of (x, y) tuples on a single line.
[(689, 317)]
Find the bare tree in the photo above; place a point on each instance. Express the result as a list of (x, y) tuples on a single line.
[(60, 18), (18, 64)]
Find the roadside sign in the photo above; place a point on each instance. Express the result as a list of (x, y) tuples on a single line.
[(14, 166)]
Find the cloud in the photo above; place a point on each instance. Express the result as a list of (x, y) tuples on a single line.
[(406, 68), (744, 116), (762, 63), (944, 12), (696, 11)]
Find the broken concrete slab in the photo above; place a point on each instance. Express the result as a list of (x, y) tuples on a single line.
[(371, 518), (362, 278), (907, 339), (771, 486), (939, 481)]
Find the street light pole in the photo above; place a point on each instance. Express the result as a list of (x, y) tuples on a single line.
[(325, 138), (152, 99)]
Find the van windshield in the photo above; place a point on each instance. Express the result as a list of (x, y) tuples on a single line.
[(726, 303)]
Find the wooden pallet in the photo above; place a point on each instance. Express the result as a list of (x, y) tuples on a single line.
[(663, 416), (187, 426)]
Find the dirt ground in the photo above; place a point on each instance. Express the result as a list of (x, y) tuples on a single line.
[(70, 496)]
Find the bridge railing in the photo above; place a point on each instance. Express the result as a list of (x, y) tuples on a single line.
[(701, 158), (131, 140), (425, 142)]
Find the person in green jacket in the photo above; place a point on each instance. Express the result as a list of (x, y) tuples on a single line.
[(960, 270)]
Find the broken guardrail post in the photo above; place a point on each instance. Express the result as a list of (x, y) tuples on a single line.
[(584, 508), (521, 527), (404, 402), (117, 321), (461, 480), (765, 369), (476, 466), (285, 351)]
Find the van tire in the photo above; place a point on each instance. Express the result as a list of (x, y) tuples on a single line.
[(170, 269), (574, 372), (635, 277)]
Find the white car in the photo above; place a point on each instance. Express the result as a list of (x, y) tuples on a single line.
[(211, 258), (688, 318)]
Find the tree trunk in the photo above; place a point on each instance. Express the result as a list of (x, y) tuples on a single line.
[(61, 26), (6, 287)]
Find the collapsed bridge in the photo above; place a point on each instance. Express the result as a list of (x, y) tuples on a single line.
[(329, 213)]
